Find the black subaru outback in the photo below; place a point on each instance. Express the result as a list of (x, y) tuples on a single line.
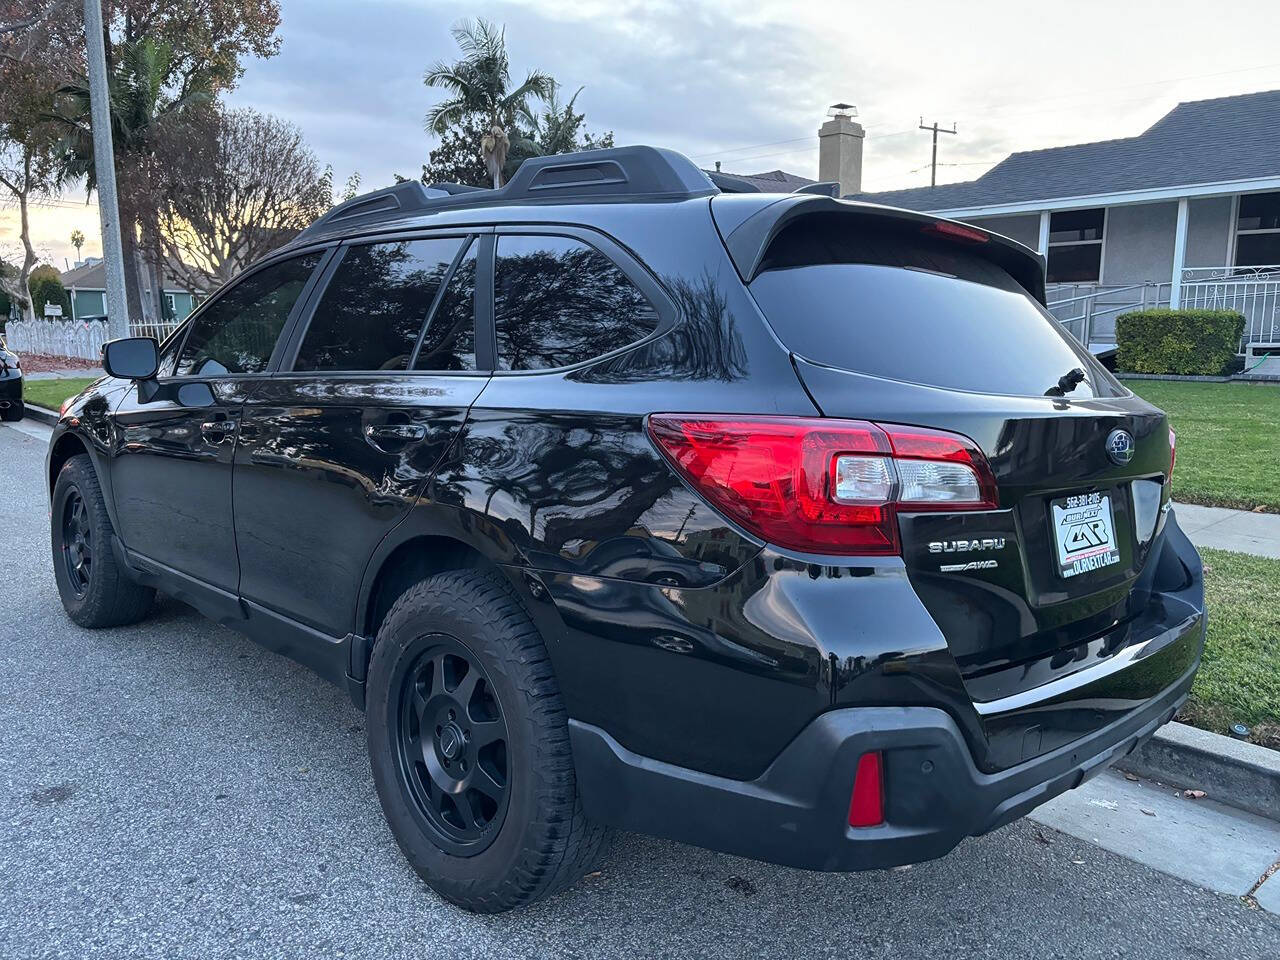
[(787, 526)]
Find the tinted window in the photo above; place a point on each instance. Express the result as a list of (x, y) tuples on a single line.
[(238, 332), (557, 301), (375, 305), (909, 308), (450, 339)]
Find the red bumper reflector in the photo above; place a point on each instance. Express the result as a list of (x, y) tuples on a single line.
[(866, 806)]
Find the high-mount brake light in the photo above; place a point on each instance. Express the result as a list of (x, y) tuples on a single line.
[(956, 231), (822, 485)]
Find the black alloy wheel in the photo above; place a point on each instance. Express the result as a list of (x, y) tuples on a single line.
[(77, 542), (453, 747)]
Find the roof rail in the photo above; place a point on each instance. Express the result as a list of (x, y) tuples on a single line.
[(386, 204), (618, 173)]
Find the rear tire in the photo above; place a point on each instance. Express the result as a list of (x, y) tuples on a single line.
[(469, 745), (96, 591), (14, 412)]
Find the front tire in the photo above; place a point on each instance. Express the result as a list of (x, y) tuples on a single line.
[(469, 745), (14, 412), (96, 591)]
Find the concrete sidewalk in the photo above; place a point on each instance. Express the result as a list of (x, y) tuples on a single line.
[(1238, 530)]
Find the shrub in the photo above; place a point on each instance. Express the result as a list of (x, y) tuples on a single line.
[(1186, 342)]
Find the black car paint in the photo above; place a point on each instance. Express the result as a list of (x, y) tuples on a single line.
[(10, 377), (678, 637)]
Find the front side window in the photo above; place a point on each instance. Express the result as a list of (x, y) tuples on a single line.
[(1075, 246), (558, 302), (1258, 230), (238, 333), (374, 307)]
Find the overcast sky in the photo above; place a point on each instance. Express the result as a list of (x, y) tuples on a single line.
[(749, 83)]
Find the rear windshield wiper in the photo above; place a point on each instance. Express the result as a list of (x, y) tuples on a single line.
[(1066, 383)]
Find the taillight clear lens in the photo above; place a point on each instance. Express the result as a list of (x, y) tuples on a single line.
[(824, 486), (1173, 453), (863, 479)]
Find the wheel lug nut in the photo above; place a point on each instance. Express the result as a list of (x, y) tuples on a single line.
[(450, 714), (466, 735)]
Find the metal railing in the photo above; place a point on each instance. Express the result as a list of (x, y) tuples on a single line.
[(1089, 311), (1251, 291), (74, 338)]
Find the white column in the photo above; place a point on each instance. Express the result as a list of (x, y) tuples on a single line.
[(1179, 255), (1042, 245)]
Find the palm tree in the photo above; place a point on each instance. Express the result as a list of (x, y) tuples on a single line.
[(77, 241), (479, 84), (139, 106)]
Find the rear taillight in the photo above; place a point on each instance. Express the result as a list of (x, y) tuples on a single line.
[(824, 486), (1173, 453), (866, 803)]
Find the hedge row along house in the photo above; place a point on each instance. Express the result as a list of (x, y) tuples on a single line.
[(1184, 215)]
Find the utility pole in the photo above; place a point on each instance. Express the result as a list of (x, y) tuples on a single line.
[(105, 165), (933, 169)]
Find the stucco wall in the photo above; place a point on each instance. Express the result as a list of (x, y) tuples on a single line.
[(1208, 231), (1139, 243), (1025, 228)]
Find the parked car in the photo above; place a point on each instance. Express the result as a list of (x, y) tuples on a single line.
[(11, 403), (912, 567)]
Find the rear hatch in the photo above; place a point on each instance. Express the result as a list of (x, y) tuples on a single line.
[(897, 318)]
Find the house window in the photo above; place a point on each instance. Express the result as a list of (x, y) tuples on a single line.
[(170, 308), (1075, 245), (1258, 230)]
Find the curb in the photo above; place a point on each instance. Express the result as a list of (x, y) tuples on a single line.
[(1235, 772), (42, 415)]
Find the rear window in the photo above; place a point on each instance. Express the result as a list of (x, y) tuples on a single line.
[(913, 308)]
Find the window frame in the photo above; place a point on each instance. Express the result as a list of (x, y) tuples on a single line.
[(326, 252), (663, 305), (1237, 233), (467, 234), (1100, 243)]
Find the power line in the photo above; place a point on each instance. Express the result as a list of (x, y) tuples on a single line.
[(997, 109)]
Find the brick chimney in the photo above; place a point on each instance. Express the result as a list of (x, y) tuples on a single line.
[(840, 148)]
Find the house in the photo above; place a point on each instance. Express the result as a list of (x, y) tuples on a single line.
[(1184, 214), (86, 285)]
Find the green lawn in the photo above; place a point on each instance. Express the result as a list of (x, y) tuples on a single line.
[(51, 393), (1228, 440), (1239, 681)]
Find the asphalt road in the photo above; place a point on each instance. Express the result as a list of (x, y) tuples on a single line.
[(171, 790)]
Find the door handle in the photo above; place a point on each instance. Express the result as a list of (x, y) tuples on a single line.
[(395, 432), (215, 431)]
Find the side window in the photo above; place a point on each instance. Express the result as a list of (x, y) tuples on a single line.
[(450, 339), (374, 307), (558, 301), (169, 352), (238, 332)]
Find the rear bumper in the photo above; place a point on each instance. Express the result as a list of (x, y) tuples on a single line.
[(795, 813)]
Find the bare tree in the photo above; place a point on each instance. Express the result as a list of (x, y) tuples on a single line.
[(241, 184)]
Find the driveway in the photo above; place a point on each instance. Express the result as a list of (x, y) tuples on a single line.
[(172, 790)]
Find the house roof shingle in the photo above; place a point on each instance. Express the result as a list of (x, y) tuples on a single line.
[(1204, 141), (773, 181), (93, 276)]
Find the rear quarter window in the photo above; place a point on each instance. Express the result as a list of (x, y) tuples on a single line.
[(912, 308)]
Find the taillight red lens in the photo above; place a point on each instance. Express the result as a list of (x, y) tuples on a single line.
[(824, 486), (866, 805)]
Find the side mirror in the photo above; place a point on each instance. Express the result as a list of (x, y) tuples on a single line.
[(131, 358)]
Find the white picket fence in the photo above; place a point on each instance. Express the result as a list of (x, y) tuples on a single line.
[(72, 338)]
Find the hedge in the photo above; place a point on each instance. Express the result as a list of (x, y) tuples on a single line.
[(1187, 342)]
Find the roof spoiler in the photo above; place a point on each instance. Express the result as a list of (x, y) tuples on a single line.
[(749, 242)]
